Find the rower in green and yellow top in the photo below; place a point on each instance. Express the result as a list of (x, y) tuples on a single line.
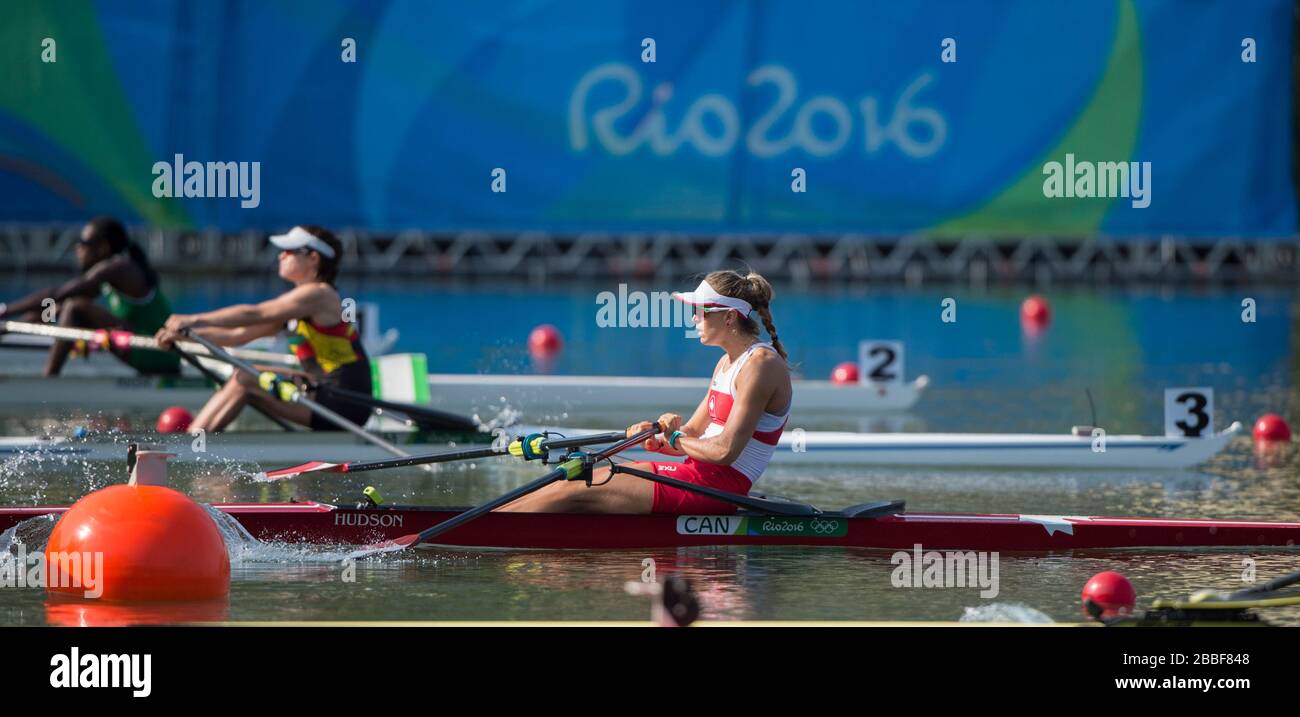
[(116, 268), (328, 347)]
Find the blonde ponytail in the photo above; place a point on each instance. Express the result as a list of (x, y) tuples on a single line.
[(756, 290)]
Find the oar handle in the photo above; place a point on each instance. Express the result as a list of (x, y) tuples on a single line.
[(135, 341), (630, 441)]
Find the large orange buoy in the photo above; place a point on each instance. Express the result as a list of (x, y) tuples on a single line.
[(1112, 592), (545, 341), (845, 374), (1272, 427), (137, 542), (174, 420)]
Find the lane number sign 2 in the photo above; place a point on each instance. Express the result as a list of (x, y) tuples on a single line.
[(1189, 412), (880, 362)]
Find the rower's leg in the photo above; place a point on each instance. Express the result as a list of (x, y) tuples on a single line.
[(620, 493), (238, 392), (293, 412), (80, 313)]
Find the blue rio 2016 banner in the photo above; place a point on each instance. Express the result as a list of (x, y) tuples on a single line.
[(939, 116)]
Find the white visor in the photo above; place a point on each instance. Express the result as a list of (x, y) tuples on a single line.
[(705, 295), (297, 238)]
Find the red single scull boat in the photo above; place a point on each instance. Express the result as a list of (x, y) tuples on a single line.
[(875, 525)]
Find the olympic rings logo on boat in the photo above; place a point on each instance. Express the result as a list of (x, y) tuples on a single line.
[(823, 527)]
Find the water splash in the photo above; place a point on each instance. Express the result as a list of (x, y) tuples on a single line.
[(505, 416), (32, 533), (244, 549), (1006, 612)]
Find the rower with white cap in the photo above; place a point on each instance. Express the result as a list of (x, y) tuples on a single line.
[(733, 432), (328, 347)]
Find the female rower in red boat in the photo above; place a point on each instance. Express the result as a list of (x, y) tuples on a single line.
[(328, 347), (733, 433)]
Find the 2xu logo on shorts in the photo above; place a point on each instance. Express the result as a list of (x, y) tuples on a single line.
[(816, 526)]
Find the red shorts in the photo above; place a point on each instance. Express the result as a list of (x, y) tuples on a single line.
[(676, 501)]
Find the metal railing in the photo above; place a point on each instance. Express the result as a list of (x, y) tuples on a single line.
[(542, 256)]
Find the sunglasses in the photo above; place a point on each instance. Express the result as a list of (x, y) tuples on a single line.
[(300, 251), (702, 310)]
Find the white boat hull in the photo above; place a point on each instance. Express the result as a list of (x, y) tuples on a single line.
[(812, 447), (552, 394), (462, 393)]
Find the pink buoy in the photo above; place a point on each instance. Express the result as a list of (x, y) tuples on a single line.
[(845, 374), (1035, 311), (545, 341), (1272, 427)]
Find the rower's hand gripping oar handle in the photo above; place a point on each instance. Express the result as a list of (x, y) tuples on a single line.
[(580, 464)]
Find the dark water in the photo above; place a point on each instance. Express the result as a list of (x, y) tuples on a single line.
[(987, 375)]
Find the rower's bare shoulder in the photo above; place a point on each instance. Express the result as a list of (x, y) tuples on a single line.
[(769, 363), (764, 367), (317, 294), (109, 268)]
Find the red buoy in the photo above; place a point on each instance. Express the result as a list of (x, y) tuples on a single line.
[(845, 374), (1110, 591), (1035, 312), (1272, 427), (545, 341), (137, 542), (175, 419)]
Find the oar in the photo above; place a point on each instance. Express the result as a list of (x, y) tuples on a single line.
[(527, 447), (571, 469), (115, 337), (1263, 595), (427, 418), (213, 377), (1271, 586), (289, 391)]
